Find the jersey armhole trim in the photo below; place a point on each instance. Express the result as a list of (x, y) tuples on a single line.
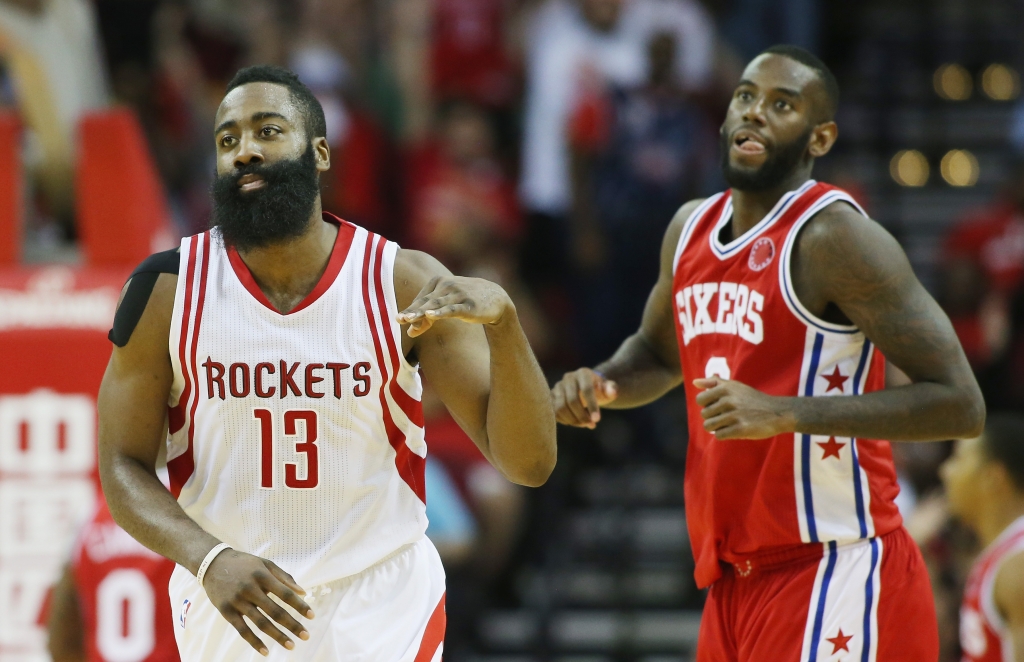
[(785, 267), (688, 226), (987, 601), (391, 299)]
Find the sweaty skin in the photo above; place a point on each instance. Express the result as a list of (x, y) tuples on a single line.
[(465, 336), (847, 269)]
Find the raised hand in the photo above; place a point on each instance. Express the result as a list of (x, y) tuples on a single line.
[(579, 396), (733, 410), (472, 300), (240, 584)]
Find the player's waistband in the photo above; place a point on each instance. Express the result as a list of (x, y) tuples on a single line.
[(774, 559)]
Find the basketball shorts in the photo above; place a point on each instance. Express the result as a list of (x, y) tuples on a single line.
[(391, 612), (868, 601)]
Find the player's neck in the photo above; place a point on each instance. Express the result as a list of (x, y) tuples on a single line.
[(288, 271), (749, 207), (1000, 514)]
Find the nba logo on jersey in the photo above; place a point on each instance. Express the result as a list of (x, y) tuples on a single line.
[(184, 612), (761, 254)]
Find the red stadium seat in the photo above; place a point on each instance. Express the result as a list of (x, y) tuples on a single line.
[(121, 207)]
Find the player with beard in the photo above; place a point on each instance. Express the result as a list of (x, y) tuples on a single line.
[(266, 360), (775, 296)]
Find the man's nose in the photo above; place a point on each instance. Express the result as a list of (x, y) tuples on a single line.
[(248, 153), (755, 112)]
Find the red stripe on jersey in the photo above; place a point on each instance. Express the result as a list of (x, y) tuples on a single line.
[(433, 635), (342, 243), (395, 436), (177, 469), (411, 466), (412, 407)]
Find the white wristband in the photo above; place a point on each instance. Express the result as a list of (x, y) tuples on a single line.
[(205, 565)]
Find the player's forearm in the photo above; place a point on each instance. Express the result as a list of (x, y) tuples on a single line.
[(639, 373), (520, 417), (145, 509), (923, 411)]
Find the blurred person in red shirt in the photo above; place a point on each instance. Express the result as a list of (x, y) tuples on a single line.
[(982, 268), (111, 604), (470, 56)]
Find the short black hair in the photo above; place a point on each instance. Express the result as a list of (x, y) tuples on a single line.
[(1003, 442), (309, 106), (812, 61)]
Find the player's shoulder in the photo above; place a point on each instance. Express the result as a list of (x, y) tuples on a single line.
[(841, 235), (675, 229), (151, 284), (413, 270)]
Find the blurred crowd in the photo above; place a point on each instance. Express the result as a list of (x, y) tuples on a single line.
[(543, 144)]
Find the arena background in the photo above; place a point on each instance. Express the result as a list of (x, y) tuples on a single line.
[(540, 143)]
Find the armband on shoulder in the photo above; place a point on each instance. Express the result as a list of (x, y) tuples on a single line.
[(138, 289)]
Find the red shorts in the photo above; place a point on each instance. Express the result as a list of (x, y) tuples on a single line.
[(862, 602)]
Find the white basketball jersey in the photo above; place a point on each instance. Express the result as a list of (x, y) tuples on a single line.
[(298, 437)]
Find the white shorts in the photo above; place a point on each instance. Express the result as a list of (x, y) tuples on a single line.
[(391, 612)]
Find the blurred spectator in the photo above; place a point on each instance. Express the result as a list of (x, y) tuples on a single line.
[(355, 187), (463, 208), (111, 603), (982, 268), (571, 42), (754, 25), (52, 54), (984, 480), (460, 199), (469, 51), (638, 154)]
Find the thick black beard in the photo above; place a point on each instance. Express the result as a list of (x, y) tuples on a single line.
[(282, 209), (773, 172)]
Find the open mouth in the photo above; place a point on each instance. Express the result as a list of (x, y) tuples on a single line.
[(251, 182), (748, 143)]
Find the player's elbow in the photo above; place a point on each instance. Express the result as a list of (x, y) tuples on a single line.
[(973, 416), (536, 471)]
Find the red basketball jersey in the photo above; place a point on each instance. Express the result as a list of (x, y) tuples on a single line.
[(122, 593), (738, 317), (983, 635)]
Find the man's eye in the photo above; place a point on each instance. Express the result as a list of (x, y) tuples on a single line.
[(227, 141), (782, 105), (268, 131)]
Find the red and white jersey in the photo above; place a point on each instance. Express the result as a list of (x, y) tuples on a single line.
[(983, 635), (122, 594), (298, 437), (739, 318)]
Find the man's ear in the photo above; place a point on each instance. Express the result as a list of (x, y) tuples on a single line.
[(823, 137), (322, 154)]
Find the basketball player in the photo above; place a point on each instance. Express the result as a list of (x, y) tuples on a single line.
[(111, 603), (984, 481), (275, 358), (775, 296)]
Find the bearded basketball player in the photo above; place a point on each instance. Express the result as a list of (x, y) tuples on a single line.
[(267, 359), (779, 302)]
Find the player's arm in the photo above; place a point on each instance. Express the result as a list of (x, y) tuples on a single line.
[(66, 636), (1008, 593), (467, 338), (132, 407), (854, 264), (646, 365)]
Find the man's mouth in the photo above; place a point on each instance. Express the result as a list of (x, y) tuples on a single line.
[(748, 142), (251, 182)]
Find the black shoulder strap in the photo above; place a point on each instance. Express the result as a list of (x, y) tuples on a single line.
[(136, 296)]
